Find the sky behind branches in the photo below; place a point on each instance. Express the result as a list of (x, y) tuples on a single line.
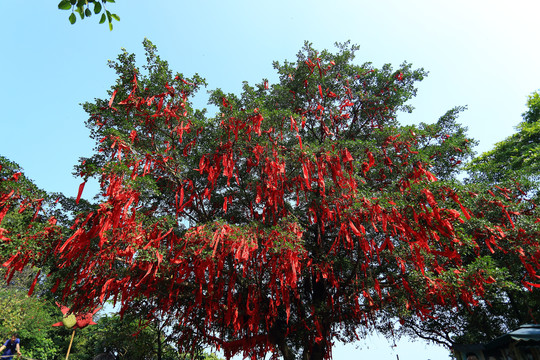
[(482, 54)]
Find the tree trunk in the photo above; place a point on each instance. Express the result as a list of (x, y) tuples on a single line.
[(317, 353), (518, 314), (158, 345), (314, 352), (286, 351)]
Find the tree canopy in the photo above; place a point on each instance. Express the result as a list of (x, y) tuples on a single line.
[(301, 213)]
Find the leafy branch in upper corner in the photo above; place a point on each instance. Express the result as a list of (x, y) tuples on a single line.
[(82, 7)]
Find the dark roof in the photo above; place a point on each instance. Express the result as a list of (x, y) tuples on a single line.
[(528, 332)]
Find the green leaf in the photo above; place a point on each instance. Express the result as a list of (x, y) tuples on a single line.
[(97, 7), (73, 2), (64, 5), (103, 18), (80, 10), (115, 17), (87, 12), (110, 26), (72, 18), (111, 1), (109, 16)]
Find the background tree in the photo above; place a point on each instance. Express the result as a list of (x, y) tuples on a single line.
[(124, 339), (303, 212), (517, 158), (512, 161), (31, 318)]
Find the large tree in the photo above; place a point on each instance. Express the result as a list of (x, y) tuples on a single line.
[(302, 213)]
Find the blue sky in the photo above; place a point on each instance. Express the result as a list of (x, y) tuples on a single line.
[(483, 54)]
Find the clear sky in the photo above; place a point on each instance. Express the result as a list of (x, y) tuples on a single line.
[(479, 53)]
